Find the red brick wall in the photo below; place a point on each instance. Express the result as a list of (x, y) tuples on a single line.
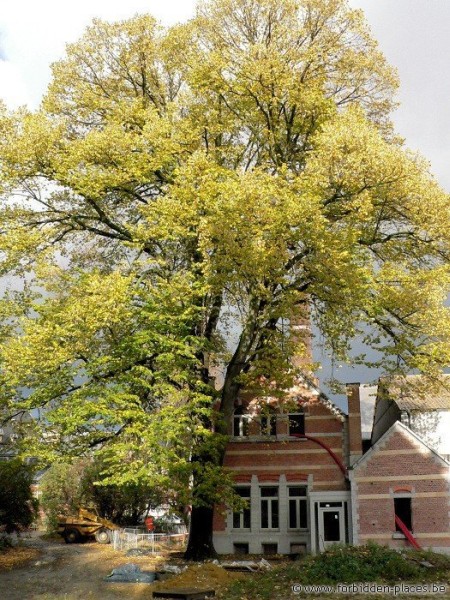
[(354, 422), (402, 465), (296, 459)]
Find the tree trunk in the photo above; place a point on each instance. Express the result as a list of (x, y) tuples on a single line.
[(200, 544)]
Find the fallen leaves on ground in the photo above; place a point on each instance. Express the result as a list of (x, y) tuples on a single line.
[(14, 558)]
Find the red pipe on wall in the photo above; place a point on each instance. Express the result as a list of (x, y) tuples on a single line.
[(334, 456), (409, 536)]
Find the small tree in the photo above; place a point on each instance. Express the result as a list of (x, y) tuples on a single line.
[(68, 486), (18, 507), (62, 491), (123, 504)]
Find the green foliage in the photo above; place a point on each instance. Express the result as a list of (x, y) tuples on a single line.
[(68, 486), (344, 564), (359, 563), (61, 492), (122, 504), (18, 507), (229, 174)]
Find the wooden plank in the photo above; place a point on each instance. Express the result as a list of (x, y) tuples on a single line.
[(184, 594)]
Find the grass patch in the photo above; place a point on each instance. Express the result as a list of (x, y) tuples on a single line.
[(344, 564)]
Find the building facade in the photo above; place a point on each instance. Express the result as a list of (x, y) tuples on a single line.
[(307, 485), (291, 468)]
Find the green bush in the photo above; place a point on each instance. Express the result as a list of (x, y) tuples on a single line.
[(18, 507), (344, 564), (5, 542), (61, 491), (68, 486)]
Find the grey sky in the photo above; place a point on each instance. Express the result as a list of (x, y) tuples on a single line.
[(414, 35)]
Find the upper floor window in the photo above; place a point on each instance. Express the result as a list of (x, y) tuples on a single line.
[(269, 424), (296, 423), (240, 423), (268, 420)]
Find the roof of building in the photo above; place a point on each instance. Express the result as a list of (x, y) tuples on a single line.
[(308, 383), (397, 427), (416, 392)]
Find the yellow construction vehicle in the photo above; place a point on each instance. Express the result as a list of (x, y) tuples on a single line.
[(87, 524)]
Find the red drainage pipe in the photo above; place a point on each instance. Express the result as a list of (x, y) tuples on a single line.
[(409, 536), (334, 456)]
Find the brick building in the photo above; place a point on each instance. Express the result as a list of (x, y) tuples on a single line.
[(290, 465), (308, 485), (401, 475)]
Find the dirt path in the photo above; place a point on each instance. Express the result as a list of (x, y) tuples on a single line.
[(71, 572)]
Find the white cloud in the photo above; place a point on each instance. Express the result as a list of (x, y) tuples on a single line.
[(34, 35), (13, 89)]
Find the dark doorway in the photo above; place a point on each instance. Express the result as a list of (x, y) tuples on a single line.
[(331, 526)]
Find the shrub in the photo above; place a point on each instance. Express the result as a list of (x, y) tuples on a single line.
[(18, 508), (344, 564)]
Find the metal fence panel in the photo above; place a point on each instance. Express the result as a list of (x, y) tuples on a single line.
[(150, 543)]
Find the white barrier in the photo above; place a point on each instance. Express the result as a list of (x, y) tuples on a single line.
[(150, 543)]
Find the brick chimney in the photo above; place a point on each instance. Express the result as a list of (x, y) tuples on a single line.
[(300, 326), (354, 423)]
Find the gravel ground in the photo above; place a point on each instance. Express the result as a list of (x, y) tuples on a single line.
[(71, 572)]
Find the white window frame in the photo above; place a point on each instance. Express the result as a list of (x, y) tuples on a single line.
[(270, 504), (301, 506), (243, 425), (240, 513)]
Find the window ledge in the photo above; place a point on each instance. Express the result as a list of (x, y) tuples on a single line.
[(398, 535), (254, 438)]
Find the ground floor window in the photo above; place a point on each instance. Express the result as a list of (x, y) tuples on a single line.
[(240, 548), (297, 508), (269, 549), (241, 519), (269, 507), (402, 508)]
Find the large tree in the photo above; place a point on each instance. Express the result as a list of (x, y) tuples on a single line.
[(229, 174)]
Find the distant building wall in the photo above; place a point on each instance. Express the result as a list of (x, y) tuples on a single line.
[(432, 426)]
